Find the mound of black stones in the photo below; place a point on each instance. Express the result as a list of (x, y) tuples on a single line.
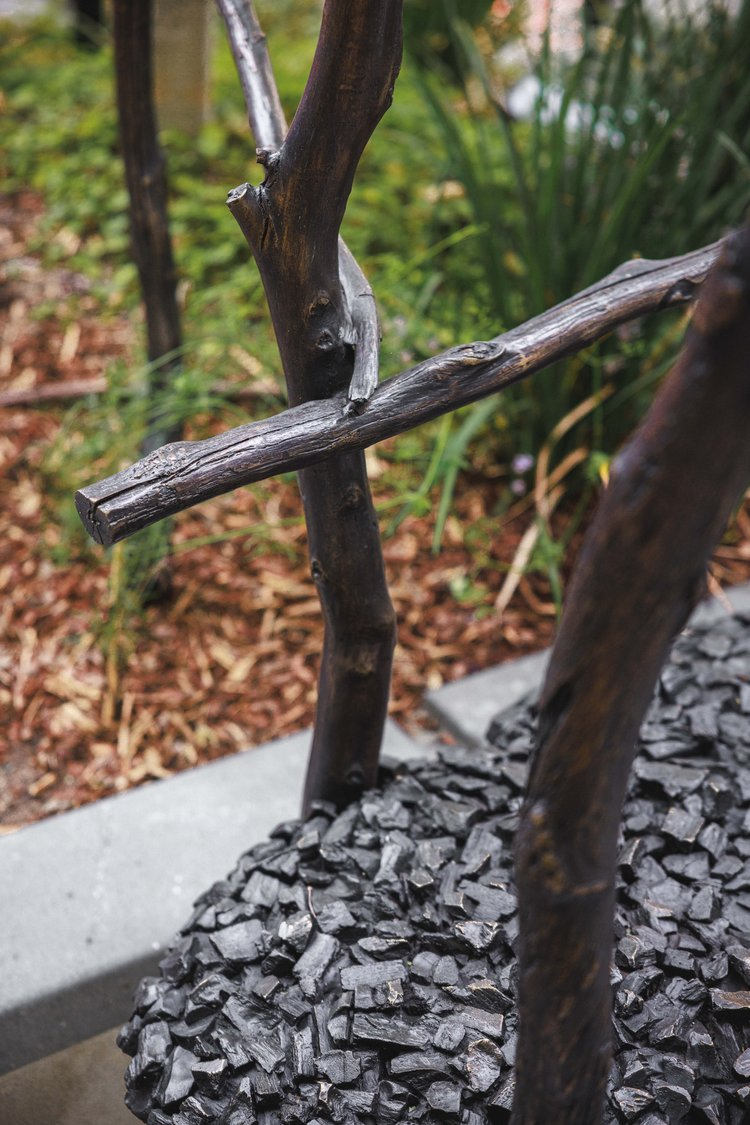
[(359, 967)]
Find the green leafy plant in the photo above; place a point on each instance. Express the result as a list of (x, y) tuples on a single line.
[(622, 156)]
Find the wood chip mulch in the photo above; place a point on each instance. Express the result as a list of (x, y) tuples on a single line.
[(90, 706)]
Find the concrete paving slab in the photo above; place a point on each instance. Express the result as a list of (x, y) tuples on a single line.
[(715, 608), (467, 707), (90, 898), (80, 1086)]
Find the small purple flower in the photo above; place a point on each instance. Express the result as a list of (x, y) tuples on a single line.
[(522, 462), (518, 487)]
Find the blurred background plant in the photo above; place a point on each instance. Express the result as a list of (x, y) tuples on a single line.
[(563, 168)]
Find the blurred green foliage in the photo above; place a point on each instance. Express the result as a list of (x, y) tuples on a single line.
[(639, 147)]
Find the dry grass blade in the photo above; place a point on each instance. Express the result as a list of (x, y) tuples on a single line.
[(564, 426)]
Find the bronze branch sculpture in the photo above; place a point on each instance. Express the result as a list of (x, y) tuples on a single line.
[(641, 570)]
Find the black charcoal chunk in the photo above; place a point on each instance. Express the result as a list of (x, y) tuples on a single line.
[(334, 917), (313, 963), (488, 1023), (154, 1046), (681, 825), (381, 997), (302, 1056), (677, 1072), (231, 1043), (445, 971), (503, 1098), (479, 936), (710, 1103), (715, 968), (372, 1028), (674, 1101), (293, 1004), (630, 857), (706, 905), (703, 721), (177, 1079), (492, 902), (484, 994), (395, 858), (675, 781), (722, 1001), (741, 1065), (266, 988), (240, 942), (296, 930), (632, 953), (631, 1101), (392, 1099), (380, 947), (339, 1067), (449, 1036), (266, 1088), (358, 1101), (739, 959), (678, 961), (445, 1098), (702, 1054), (416, 1064), (372, 973), (210, 1073), (484, 1064), (690, 868)]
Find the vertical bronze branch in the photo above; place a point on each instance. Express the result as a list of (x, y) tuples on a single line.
[(640, 573), (326, 327)]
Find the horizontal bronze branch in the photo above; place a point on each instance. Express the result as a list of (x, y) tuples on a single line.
[(183, 474)]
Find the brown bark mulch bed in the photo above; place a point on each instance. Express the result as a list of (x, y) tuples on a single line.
[(229, 661)]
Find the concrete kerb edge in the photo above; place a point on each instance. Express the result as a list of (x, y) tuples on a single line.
[(467, 707), (92, 897)]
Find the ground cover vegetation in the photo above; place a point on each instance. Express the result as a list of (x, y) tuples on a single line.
[(466, 221)]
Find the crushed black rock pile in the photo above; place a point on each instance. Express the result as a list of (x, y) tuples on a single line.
[(359, 967)]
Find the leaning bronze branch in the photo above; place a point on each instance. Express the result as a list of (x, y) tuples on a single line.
[(641, 570), (186, 473)]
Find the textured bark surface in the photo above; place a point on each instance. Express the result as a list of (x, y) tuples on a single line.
[(640, 572), (184, 474), (291, 223), (147, 189)]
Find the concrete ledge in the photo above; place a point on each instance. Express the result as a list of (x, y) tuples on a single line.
[(467, 707), (90, 898)]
